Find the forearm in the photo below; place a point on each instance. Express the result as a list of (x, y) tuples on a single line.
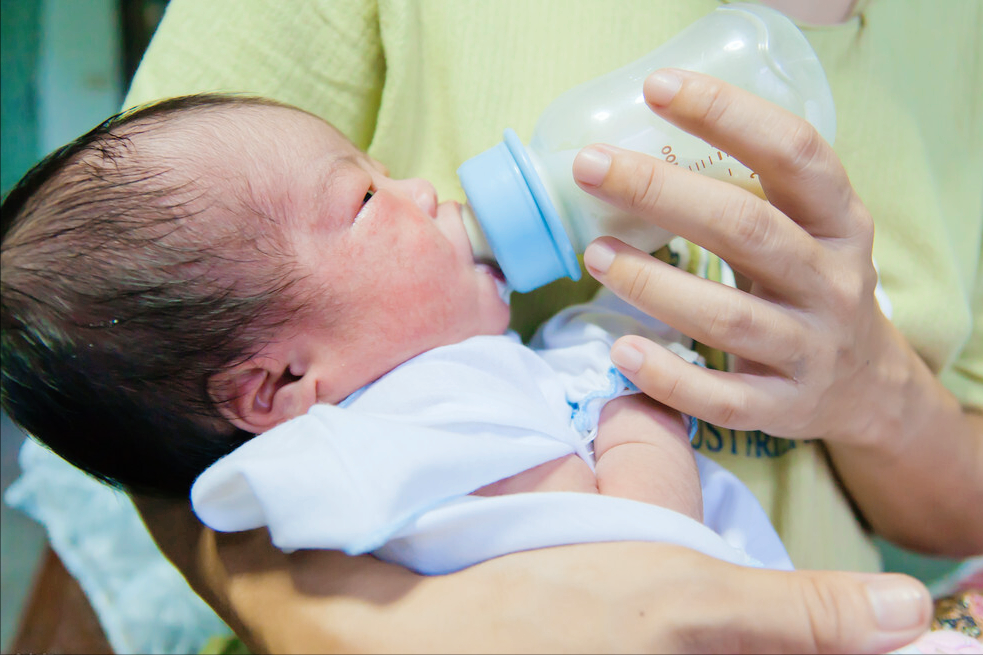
[(363, 605), (916, 471), (310, 601), (643, 453), (535, 601), (606, 597), (326, 602)]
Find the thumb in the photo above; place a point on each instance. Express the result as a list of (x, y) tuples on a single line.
[(823, 611)]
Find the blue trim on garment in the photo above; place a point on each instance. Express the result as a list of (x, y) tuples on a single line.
[(694, 426), (618, 385), (353, 396), (694, 423)]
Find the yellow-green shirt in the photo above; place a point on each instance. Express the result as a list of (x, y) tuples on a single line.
[(423, 85)]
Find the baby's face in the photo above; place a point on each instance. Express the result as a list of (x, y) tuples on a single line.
[(395, 266)]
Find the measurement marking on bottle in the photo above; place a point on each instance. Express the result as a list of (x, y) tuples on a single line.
[(704, 163)]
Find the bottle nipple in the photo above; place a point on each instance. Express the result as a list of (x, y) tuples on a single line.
[(484, 257), (479, 243)]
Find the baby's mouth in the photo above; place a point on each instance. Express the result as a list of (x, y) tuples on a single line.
[(490, 266)]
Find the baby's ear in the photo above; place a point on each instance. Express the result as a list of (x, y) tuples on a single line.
[(260, 394)]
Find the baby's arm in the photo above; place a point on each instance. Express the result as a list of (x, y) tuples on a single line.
[(643, 453), (567, 473)]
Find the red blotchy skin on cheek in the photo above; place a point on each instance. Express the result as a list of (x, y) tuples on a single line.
[(412, 287)]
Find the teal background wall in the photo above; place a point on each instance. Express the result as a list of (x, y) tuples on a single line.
[(20, 46), (79, 77), (61, 75)]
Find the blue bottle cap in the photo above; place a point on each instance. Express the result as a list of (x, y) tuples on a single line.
[(517, 216)]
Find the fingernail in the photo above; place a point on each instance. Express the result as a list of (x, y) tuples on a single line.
[(627, 358), (661, 87), (591, 165), (898, 603), (598, 257)]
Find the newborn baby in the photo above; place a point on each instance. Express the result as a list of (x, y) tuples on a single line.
[(211, 268)]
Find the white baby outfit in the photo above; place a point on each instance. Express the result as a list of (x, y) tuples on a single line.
[(389, 470)]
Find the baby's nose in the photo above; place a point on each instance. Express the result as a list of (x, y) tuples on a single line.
[(422, 193)]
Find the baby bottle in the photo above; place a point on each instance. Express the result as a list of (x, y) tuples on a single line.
[(535, 219)]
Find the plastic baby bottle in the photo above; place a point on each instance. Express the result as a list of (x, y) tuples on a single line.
[(535, 219)]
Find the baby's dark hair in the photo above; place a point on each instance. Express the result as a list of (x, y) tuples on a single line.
[(116, 313)]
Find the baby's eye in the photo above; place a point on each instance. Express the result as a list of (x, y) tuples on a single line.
[(365, 201)]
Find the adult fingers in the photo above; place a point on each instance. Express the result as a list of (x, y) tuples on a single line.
[(798, 169), (740, 401), (748, 232), (707, 311)]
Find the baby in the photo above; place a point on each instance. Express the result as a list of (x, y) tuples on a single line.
[(210, 268)]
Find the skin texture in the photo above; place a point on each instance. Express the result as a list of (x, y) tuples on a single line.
[(815, 355)]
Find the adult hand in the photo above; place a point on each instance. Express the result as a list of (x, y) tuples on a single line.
[(815, 356), (611, 597), (808, 335)]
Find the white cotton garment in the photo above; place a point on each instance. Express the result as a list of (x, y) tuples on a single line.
[(390, 471)]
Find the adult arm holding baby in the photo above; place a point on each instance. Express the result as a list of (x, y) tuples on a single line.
[(607, 597)]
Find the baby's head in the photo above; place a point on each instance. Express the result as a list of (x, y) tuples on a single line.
[(200, 270)]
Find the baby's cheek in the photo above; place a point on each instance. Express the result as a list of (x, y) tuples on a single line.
[(427, 306), (414, 303), (426, 290), (439, 313)]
